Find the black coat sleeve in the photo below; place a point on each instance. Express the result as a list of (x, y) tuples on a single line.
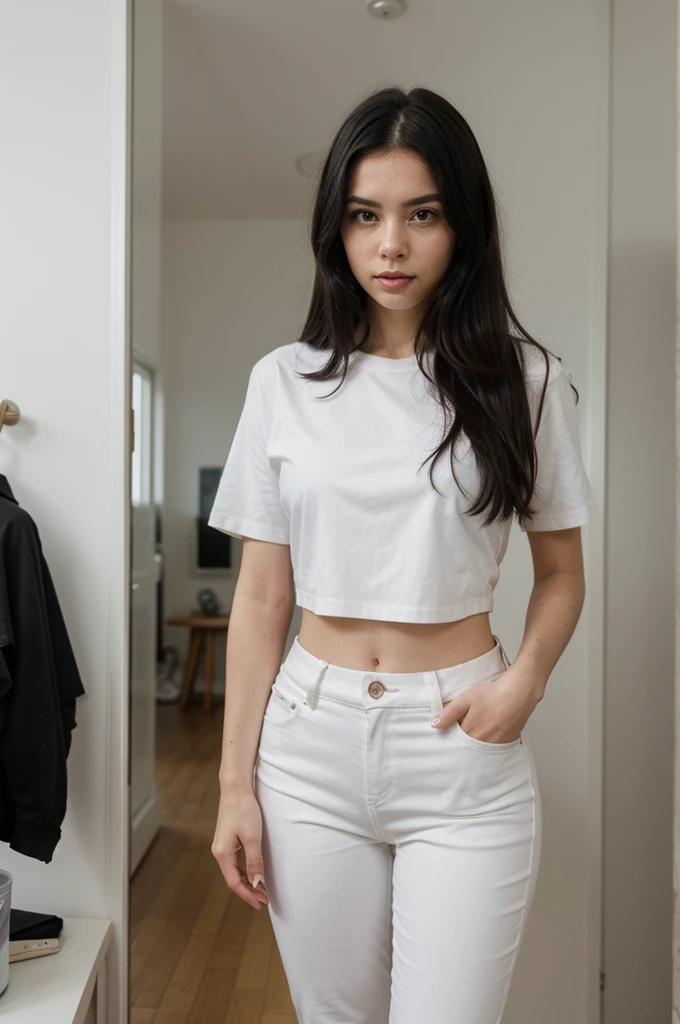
[(69, 683)]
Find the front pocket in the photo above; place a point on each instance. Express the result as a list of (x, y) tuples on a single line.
[(484, 744), (282, 708)]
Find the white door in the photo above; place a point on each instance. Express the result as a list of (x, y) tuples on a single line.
[(146, 567)]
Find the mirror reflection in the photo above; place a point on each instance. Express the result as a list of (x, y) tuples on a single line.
[(358, 494)]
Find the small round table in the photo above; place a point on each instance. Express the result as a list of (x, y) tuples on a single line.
[(201, 626)]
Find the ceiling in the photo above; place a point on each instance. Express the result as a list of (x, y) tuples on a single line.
[(250, 86)]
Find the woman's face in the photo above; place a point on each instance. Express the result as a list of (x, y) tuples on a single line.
[(383, 229)]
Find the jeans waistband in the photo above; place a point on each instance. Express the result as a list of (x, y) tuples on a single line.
[(303, 676)]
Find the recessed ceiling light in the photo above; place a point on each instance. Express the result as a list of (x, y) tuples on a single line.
[(386, 9)]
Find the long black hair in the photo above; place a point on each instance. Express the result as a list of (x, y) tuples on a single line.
[(478, 364)]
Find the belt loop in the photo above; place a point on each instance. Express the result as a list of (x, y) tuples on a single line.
[(506, 660), (313, 691), (434, 691)]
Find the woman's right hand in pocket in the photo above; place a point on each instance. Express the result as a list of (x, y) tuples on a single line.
[(237, 845)]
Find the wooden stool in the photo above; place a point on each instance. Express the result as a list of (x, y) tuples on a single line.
[(201, 626)]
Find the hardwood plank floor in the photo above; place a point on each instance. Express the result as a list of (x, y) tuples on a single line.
[(198, 954)]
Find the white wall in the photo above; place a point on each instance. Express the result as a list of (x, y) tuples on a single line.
[(232, 291), (640, 522), (62, 259)]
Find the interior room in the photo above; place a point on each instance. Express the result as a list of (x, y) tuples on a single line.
[(174, 239), (235, 273)]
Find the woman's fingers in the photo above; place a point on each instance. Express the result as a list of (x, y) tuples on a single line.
[(450, 713), (254, 865), (233, 866)]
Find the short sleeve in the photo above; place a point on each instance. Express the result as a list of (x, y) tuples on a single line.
[(563, 497), (247, 502)]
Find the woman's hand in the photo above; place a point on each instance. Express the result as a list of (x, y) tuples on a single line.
[(494, 712), (237, 845)]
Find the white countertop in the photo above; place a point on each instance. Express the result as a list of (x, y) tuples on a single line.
[(58, 988)]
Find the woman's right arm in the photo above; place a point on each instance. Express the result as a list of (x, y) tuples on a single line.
[(259, 621)]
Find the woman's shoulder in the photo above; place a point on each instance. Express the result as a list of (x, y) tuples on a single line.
[(294, 355), (267, 369), (538, 363), (278, 369)]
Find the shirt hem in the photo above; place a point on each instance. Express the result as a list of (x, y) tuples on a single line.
[(563, 520), (393, 613), (247, 528)]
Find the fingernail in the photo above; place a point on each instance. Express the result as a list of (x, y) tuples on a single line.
[(436, 720), (259, 880)]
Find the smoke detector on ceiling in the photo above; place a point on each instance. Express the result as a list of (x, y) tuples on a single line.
[(386, 9)]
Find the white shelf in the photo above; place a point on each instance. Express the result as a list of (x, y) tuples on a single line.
[(58, 988)]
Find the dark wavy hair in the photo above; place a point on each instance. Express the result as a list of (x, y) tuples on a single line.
[(478, 364)]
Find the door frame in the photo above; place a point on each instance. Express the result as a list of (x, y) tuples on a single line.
[(118, 809)]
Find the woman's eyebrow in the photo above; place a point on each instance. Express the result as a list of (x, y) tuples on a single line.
[(431, 198)]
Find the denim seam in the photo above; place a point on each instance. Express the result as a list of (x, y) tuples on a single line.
[(493, 748), (369, 803), (378, 705), (523, 918)]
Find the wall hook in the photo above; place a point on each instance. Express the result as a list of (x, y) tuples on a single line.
[(9, 413)]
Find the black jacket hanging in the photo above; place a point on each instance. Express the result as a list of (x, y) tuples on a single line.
[(39, 683)]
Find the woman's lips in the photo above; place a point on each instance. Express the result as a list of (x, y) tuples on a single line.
[(394, 283)]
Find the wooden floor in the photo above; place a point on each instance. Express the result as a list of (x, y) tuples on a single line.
[(199, 954)]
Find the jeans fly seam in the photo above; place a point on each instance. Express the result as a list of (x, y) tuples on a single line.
[(369, 803)]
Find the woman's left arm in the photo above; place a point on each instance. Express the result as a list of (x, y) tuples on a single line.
[(497, 711)]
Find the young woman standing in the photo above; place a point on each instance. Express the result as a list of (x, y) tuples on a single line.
[(384, 785)]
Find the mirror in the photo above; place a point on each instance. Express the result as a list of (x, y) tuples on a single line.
[(235, 106)]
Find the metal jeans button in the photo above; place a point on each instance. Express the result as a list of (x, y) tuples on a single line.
[(376, 688)]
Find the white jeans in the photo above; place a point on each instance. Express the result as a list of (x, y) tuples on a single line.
[(400, 860)]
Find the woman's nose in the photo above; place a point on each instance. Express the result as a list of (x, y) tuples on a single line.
[(392, 243)]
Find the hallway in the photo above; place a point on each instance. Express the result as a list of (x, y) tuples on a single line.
[(199, 954)]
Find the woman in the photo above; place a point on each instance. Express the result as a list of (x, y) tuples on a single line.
[(394, 808)]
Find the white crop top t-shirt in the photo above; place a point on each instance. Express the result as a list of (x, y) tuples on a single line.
[(338, 480)]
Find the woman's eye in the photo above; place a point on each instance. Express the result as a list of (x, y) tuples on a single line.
[(432, 215)]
